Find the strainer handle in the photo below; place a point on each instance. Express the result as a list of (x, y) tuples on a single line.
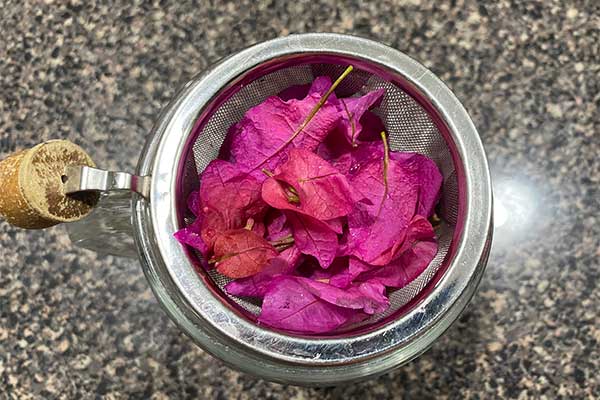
[(82, 178), (57, 182)]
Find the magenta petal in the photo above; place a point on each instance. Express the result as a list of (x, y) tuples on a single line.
[(413, 257), (193, 202), (378, 223), (274, 194), (228, 198), (354, 267), (314, 238), (297, 92), (275, 221), (368, 296), (352, 111), (364, 154), (335, 225), (347, 159), (290, 305), (323, 192), (265, 133), (406, 268), (191, 237), (240, 253), (417, 258), (424, 174), (256, 285), (337, 274), (337, 267), (277, 225), (304, 305), (419, 229), (225, 187), (374, 297), (320, 86), (259, 228), (341, 280)]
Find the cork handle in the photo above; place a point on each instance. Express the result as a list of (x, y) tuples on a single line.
[(32, 182)]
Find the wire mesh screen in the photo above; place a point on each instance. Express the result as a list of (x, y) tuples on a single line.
[(408, 126)]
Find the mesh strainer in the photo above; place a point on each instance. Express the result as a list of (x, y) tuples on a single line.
[(420, 114)]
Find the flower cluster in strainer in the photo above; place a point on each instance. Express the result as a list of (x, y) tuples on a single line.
[(309, 210)]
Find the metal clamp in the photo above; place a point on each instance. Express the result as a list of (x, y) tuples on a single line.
[(79, 178)]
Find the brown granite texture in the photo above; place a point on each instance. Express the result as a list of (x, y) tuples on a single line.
[(74, 324)]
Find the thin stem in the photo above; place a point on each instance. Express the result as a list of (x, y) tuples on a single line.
[(386, 159), (386, 164), (214, 260), (283, 247), (310, 116), (289, 239), (267, 172), (314, 178)]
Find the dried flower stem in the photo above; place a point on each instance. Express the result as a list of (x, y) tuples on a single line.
[(283, 247), (310, 116), (386, 164), (289, 239)]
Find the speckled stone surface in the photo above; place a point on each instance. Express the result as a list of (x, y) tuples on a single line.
[(74, 324)]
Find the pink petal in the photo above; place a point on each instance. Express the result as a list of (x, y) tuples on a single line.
[(277, 225), (193, 203), (256, 285), (228, 197), (378, 223), (413, 257), (265, 133), (323, 191), (353, 109), (369, 297), (424, 174), (297, 92), (241, 253), (191, 236), (289, 305), (347, 159), (314, 238)]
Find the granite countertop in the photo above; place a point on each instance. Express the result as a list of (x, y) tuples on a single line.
[(74, 324)]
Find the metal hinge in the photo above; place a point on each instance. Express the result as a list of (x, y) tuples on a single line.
[(79, 178)]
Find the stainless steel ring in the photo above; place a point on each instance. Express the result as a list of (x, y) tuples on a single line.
[(275, 356)]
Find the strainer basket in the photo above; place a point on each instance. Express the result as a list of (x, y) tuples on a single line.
[(420, 115), (409, 126)]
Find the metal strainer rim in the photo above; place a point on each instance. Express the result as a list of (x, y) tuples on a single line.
[(276, 356)]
